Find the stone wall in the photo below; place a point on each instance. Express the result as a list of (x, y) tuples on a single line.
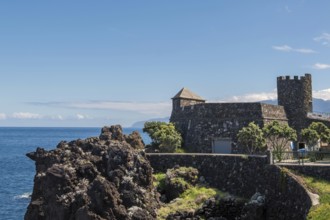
[(273, 112), (201, 124), (321, 172), (243, 175), (179, 103)]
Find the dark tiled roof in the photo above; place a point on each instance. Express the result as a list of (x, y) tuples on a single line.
[(187, 94)]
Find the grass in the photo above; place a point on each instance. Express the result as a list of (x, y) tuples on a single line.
[(322, 188), (159, 181), (180, 181), (190, 200), (180, 150)]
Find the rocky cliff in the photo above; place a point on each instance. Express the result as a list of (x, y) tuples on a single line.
[(105, 177)]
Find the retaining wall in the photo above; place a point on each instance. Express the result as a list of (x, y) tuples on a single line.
[(243, 176), (317, 171)]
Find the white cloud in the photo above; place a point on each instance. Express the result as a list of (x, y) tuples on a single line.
[(286, 48), (257, 97), (3, 116), (304, 50), (324, 38), (321, 66), (80, 116), (158, 109), (26, 115), (253, 97), (322, 94), (57, 117)]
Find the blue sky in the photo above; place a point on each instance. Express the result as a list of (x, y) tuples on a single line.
[(95, 63)]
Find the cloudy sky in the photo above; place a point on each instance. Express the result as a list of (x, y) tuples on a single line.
[(95, 63)]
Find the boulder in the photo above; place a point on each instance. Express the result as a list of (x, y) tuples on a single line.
[(97, 178)]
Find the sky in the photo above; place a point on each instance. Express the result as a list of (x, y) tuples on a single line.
[(95, 63)]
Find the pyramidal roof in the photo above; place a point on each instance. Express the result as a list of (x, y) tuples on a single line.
[(187, 94)]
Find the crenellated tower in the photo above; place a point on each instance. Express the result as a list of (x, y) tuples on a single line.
[(295, 95)]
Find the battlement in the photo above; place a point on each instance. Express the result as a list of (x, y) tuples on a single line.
[(295, 78), (295, 95)]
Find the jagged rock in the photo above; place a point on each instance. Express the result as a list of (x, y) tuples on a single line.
[(97, 178), (183, 215), (112, 133), (225, 208), (135, 140), (255, 208)]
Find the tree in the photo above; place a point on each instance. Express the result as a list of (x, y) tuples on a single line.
[(310, 136), (251, 138), (163, 135), (322, 130), (278, 137)]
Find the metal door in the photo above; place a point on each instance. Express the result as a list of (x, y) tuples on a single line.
[(222, 146)]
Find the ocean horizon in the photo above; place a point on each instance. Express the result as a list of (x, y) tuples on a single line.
[(18, 170)]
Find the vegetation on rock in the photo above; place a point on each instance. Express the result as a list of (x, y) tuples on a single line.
[(199, 201), (178, 180), (164, 136), (322, 188), (190, 200), (159, 181), (180, 190)]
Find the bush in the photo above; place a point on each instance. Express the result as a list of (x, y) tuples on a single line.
[(251, 138), (164, 136)]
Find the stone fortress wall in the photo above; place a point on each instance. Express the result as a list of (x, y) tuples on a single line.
[(201, 124), (242, 175)]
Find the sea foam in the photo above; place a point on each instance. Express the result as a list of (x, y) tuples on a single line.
[(26, 195)]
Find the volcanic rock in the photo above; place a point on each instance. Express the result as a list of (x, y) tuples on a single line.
[(97, 178)]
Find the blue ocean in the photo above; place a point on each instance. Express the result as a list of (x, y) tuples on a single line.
[(17, 170)]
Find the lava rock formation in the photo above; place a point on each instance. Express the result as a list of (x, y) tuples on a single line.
[(96, 178)]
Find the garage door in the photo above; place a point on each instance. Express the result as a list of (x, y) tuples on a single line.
[(222, 146)]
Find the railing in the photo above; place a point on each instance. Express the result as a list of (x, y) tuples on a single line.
[(301, 158), (319, 115)]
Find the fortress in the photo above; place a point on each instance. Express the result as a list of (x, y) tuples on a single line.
[(212, 127)]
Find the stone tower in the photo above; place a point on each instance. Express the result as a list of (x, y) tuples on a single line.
[(185, 98), (295, 95)]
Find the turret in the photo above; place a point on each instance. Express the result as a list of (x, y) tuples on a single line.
[(295, 95), (185, 98)]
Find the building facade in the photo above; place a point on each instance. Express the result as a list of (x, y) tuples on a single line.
[(213, 127)]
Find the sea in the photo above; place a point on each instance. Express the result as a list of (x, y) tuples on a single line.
[(17, 171)]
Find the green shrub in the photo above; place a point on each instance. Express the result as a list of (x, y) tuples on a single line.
[(191, 199), (159, 181), (164, 136)]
